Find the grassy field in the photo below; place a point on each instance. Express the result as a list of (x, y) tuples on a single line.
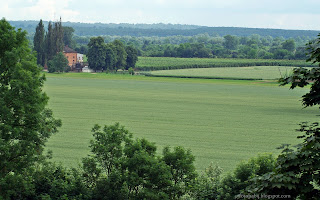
[(163, 63), (221, 121), (256, 72)]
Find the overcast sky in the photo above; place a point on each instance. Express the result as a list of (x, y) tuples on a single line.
[(283, 14)]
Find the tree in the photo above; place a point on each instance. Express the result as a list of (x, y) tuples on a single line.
[(58, 37), (49, 43), (231, 42), (289, 45), (132, 57), (39, 43), (110, 57), (302, 77), (132, 168), (68, 36), (25, 122), (96, 53), (121, 55), (181, 167), (59, 63)]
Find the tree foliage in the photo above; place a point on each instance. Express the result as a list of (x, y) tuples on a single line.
[(131, 167), (96, 53), (25, 122), (121, 54), (59, 63), (132, 57), (39, 43), (68, 36)]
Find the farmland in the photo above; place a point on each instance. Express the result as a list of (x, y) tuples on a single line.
[(221, 121), (256, 72), (164, 63)]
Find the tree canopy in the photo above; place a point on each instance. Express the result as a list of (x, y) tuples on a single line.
[(25, 122)]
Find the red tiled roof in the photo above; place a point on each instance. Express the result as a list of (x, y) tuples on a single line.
[(67, 49)]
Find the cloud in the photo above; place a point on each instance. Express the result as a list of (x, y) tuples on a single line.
[(38, 9)]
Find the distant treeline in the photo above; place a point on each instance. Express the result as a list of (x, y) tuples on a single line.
[(186, 41), (164, 30), (206, 46)]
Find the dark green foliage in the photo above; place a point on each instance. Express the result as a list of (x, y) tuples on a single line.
[(25, 123), (39, 44), (110, 57), (68, 36), (121, 54), (59, 63), (289, 45), (58, 37), (231, 42), (182, 169), (53, 40), (96, 53), (49, 43), (208, 184), (132, 57), (131, 167), (237, 182), (56, 182), (302, 77), (297, 170)]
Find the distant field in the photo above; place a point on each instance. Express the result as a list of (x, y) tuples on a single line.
[(257, 72), (221, 121), (166, 63)]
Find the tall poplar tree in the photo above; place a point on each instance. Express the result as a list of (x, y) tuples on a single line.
[(58, 37), (49, 42), (39, 43)]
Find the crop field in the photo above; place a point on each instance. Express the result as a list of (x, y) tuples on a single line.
[(256, 72), (221, 121), (164, 63)]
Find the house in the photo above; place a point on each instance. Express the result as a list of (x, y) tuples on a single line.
[(80, 57), (71, 55)]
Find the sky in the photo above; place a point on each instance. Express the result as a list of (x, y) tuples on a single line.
[(282, 14)]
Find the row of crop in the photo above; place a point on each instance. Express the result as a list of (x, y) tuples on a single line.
[(226, 63)]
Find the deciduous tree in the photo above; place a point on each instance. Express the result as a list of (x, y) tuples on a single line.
[(59, 63), (25, 122), (132, 56), (96, 53)]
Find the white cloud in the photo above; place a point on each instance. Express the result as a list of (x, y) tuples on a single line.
[(40, 9)]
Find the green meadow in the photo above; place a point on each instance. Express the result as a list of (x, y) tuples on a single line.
[(256, 72), (221, 121)]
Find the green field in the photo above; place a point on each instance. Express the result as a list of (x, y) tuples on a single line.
[(221, 121), (164, 63), (256, 72)]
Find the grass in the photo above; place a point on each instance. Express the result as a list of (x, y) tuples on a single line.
[(221, 121), (167, 63), (256, 72)]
